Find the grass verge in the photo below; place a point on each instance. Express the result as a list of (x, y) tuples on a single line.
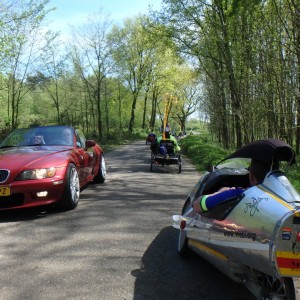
[(205, 153)]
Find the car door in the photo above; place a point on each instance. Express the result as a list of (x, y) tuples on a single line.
[(89, 156)]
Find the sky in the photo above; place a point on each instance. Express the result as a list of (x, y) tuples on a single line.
[(75, 12)]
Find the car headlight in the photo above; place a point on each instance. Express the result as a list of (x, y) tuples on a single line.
[(37, 174)]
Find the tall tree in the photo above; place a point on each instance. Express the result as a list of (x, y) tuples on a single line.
[(54, 77), (92, 59), (26, 43), (288, 14), (134, 54)]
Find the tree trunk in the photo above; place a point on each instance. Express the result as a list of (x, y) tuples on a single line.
[(133, 107), (145, 110)]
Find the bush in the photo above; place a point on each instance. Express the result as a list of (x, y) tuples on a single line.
[(117, 137), (293, 175), (203, 153)]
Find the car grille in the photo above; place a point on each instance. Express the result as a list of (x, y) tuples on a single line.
[(12, 201), (3, 175)]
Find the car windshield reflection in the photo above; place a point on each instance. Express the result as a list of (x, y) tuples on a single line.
[(40, 136)]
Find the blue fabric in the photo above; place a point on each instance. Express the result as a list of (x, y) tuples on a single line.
[(163, 150), (213, 200)]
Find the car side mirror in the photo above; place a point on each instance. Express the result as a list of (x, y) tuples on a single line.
[(90, 143)]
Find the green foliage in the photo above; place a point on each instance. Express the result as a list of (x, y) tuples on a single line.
[(202, 151), (119, 137), (237, 60), (248, 62), (33, 120), (205, 154), (293, 175)]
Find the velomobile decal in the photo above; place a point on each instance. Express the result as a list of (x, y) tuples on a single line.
[(241, 234)]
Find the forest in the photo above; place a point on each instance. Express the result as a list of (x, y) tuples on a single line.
[(233, 64)]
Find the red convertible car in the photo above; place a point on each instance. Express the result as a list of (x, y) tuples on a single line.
[(47, 165)]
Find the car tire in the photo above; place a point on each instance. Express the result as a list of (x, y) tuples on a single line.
[(182, 243), (71, 194), (101, 176)]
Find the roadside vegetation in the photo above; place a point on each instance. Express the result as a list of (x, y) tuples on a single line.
[(204, 153), (233, 63)]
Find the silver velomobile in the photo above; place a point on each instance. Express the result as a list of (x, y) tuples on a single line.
[(254, 238)]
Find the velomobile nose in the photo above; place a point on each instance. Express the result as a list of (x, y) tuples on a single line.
[(287, 246)]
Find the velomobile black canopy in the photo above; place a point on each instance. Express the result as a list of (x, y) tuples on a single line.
[(266, 150)]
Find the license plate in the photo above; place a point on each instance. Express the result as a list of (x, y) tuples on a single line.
[(4, 191)]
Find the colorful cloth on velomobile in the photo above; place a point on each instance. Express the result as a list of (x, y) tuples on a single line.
[(171, 138), (208, 202)]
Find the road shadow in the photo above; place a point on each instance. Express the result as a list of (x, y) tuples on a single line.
[(165, 275), (28, 214), (33, 213)]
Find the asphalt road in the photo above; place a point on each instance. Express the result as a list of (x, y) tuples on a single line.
[(117, 244)]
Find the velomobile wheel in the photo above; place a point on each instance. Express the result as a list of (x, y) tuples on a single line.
[(277, 288), (182, 243)]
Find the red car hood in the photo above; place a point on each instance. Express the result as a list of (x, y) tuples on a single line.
[(33, 157)]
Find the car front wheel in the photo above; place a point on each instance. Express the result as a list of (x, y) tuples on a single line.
[(71, 194)]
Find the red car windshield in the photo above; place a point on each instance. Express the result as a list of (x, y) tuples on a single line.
[(39, 136)]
